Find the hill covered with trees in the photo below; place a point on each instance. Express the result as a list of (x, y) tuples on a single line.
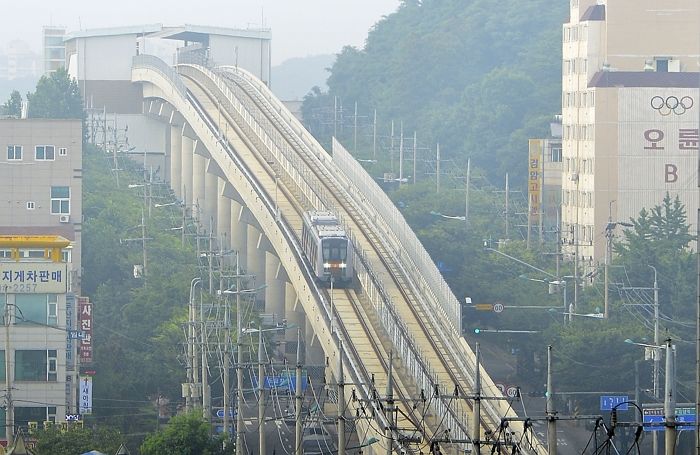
[(477, 76)]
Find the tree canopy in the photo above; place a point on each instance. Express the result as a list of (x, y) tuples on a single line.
[(56, 96), (478, 78), (13, 106), (54, 441), (186, 434)]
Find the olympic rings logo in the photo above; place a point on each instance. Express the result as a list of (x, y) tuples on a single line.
[(671, 104)]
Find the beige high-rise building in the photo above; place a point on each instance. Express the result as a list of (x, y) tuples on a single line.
[(40, 244), (630, 110)]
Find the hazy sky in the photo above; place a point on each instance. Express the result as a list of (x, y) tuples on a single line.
[(299, 27)]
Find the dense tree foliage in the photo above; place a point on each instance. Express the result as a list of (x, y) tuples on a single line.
[(138, 333), (54, 441), (13, 106), (477, 77), (56, 96), (186, 434)]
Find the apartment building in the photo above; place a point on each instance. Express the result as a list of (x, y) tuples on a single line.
[(40, 222), (630, 110), (54, 50)]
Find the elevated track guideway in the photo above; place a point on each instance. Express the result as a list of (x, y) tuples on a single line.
[(278, 171)]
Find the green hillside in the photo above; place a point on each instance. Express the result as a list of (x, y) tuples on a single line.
[(478, 76)]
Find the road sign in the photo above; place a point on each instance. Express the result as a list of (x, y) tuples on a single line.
[(608, 402), (484, 306), (501, 387), (653, 416), (512, 392), (220, 413), (498, 307)]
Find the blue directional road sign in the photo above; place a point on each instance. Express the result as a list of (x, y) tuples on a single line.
[(220, 413), (653, 416), (608, 402)]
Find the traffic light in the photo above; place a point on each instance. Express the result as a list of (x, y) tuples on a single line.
[(477, 331)]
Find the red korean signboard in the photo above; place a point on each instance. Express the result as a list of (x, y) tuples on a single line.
[(85, 325)]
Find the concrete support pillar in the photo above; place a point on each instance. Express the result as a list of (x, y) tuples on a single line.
[(274, 292), (294, 314), (223, 215), (239, 234), (168, 155), (199, 164), (176, 160), (256, 261), (186, 171), (314, 350), (211, 199)]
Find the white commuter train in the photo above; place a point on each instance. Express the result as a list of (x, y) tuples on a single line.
[(327, 247)]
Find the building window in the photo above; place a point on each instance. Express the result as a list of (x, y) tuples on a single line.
[(52, 309), (31, 205), (60, 200), (39, 365), (14, 153), (62, 151), (39, 309), (556, 154), (44, 153)]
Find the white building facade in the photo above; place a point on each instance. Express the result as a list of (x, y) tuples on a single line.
[(630, 112), (40, 224)]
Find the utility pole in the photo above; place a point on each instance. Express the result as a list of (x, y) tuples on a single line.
[(354, 142), (374, 137), (656, 335), (227, 367), (297, 399), (341, 401), (10, 409), (335, 120), (401, 156), (143, 245), (551, 413), (466, 203), (476, 419), (391, 147), (415, 151), (670, 402), (239, 364), (437, 173), (390, 407), (206, 400), (507, 203), (261, 393)]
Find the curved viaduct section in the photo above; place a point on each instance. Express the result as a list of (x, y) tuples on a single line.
[(253, 169)]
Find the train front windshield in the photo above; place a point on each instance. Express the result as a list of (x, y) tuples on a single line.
[(335, 250)]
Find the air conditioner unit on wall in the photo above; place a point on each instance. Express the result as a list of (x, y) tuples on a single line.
[(64, 219)]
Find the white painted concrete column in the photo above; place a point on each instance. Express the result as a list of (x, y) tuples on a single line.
[(239, 235), (186, 171), (314, 350), (223, 215), (256, 261), (274, 292), (176, 160), (295, 318), (198, 169), (211, 198)]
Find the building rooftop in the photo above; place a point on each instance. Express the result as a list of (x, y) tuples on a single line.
[(187, 32), (115, 31), (644, 79), (200, 33)]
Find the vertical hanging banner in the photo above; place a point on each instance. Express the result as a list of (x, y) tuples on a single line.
[(534, 179), (85, 318), (85, 395)]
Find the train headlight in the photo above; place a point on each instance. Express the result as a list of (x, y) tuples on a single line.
[(343, 265), (326, 265)]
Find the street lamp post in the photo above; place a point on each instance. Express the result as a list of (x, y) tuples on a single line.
[(608, 252)]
